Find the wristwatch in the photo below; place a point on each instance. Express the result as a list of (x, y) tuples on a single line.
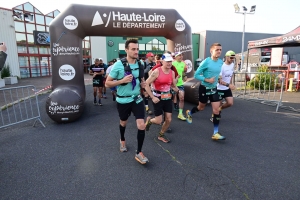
[(227, 85)]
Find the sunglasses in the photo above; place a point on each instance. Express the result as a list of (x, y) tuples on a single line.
[(232, 58)]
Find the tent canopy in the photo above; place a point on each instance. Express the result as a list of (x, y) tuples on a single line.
[(290, 39)]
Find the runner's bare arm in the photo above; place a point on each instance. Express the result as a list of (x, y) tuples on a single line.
[(173, 86), (150, 80)]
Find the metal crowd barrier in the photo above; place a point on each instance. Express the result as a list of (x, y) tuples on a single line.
[(263, 87), (19, 104)]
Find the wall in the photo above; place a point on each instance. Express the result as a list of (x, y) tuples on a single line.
[(196, 44), (98, 48), (202, 42), (232, 40), (8, 36)]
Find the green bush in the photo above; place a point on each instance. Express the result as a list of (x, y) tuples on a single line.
[(5, 72), (263, 81)]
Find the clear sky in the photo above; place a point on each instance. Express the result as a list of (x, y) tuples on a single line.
[(271, 16)]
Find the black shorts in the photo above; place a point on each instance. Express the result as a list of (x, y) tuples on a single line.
[(203, 97), (163, 106), (97, 82), (225, 93), (126, 109)]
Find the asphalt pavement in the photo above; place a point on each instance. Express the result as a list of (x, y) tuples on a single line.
[(81, 160)]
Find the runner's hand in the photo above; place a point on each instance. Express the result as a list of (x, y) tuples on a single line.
[(155, 100), (232, 87), (127, 78), (210, 80)]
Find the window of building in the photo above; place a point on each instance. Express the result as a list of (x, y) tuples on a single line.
[(56, 12), (47, 28), (30, 28), (44, 61), (40, 28), (22, 49), (28, 7), (19, 27), (155, 45), (48, 20), (142, 47), (40, 19), (121, 46), (37, 11), (21, 37), (33, 50), (50, 14), (23, 61), (35, 71), (30, 39), (86, 44), (20, 7), (44, 50), (34, 61)]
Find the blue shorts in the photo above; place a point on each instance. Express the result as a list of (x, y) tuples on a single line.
[(113, 89)]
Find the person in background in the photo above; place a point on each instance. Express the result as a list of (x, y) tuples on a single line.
[(104, 66), (97, 72), (3, 55)]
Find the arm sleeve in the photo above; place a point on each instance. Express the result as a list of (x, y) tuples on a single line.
[(199, 72), (3, 56)]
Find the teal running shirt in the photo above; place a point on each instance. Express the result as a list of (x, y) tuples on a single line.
[(117, 72), (209, 68)]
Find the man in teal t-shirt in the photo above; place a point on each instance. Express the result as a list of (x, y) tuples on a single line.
[(129, 99), (208, 73), (181, 69)]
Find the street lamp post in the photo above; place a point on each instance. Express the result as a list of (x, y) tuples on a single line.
[(244, 12)]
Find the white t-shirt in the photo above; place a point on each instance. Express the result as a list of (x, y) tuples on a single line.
[(109, 69), (226, 73)]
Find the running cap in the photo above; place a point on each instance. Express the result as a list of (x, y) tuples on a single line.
[(230, 53), (167, 57), (177, 53), (150, 54)]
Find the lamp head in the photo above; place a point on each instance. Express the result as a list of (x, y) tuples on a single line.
[(253, 8), (236, 7)]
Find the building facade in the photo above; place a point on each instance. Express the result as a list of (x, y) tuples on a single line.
[(232, 41)]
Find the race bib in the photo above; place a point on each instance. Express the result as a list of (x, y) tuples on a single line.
[(96, 81), (211, 91), (166, 95), (138, 99), (221, 94)]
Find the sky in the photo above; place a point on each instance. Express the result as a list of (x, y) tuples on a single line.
[(271, 16)]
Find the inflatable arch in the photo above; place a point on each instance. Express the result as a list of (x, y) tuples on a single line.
[(69, 28)]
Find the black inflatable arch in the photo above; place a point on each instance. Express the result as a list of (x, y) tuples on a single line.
[(69, 28)]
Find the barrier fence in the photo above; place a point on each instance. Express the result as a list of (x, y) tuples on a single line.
[(19, 104), (263, 87)]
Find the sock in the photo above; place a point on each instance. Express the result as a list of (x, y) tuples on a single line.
[(140, 139), (122, 132), (175, 105), (216, 121), (95, 99), (99, 100), (160, 134), (194, 110), (180, 111)]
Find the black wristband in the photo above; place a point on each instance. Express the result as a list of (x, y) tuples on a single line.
[(227, 85)]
